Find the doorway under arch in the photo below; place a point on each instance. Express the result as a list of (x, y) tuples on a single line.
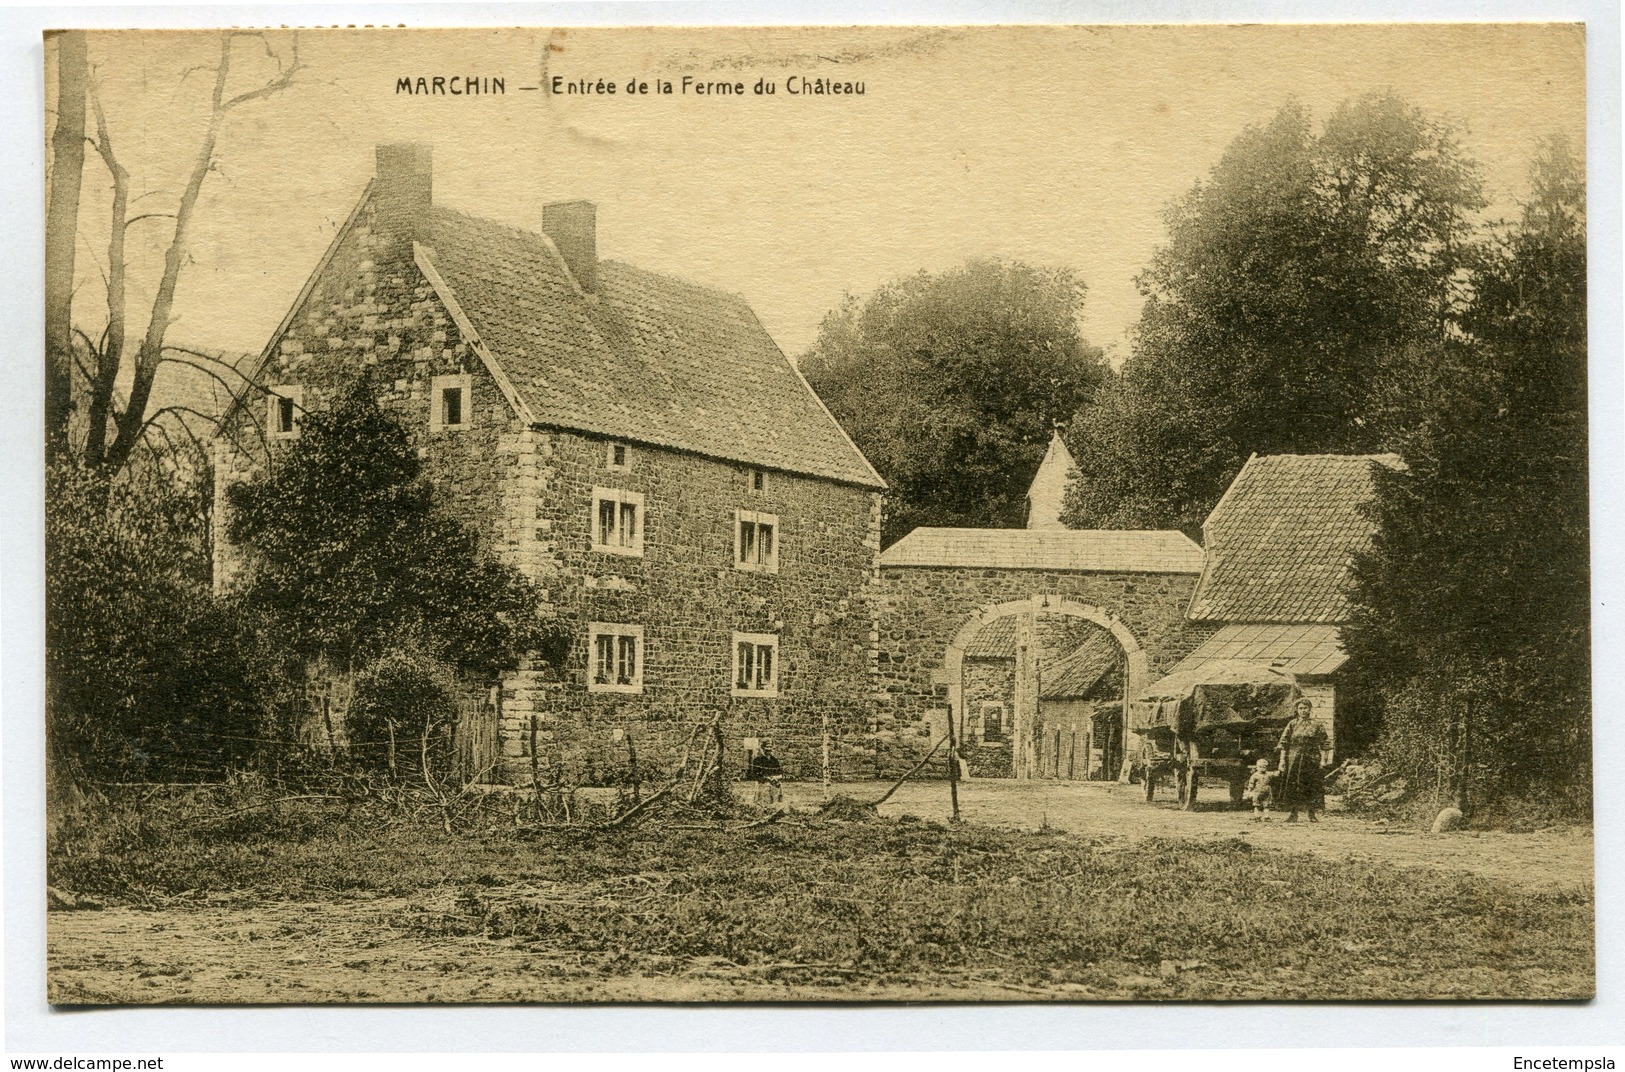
[(1043, 735)]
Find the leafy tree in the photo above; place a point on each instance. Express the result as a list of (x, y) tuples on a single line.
[(1294, 279), (149, 676), (1475, 601), (951, 383), (350, 558)]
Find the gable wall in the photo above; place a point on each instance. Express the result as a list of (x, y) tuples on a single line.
[(372, 313)]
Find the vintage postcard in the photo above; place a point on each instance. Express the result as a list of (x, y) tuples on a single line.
[(1072, 513)]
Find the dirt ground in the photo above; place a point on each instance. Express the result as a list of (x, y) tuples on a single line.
[(1562, 858), (353, 951), (361, 947)]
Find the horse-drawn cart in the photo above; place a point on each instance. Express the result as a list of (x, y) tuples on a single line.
[(1212, 722)]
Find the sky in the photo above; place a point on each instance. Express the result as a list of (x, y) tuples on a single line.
[(1056, 146)]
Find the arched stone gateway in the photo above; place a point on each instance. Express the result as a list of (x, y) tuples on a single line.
[(938, 588), (1022, 753)]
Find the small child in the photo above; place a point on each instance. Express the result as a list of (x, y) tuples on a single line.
[(1259, 788)]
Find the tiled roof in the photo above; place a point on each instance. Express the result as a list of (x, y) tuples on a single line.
[(1080, 550), (1297, 649), (1281, 542), (646, 357), (995, 640), (1076, 675)]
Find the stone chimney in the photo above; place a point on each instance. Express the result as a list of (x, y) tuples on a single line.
[(403, 190), (573, 227)]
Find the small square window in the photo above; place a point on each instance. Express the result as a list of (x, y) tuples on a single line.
[(618, 456), (286, 407), (756, 664), (450, 403), (756, 541), (617, 521), (992, 722), (758, 480), (614, 657)]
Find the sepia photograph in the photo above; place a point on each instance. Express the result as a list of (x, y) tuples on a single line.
[(817, 515)]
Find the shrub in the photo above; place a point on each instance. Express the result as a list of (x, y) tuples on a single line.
[(150, 676), (404, 702)]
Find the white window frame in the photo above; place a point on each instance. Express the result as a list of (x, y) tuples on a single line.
[(752, 558), (437, 390), (625, 465), (616, 633), (622, 500), (292, 392), (757, 641)]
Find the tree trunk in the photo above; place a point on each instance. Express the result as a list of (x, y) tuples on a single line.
[(61, 227)]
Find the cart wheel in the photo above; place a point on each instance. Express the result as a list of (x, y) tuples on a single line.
[(1190, 787)]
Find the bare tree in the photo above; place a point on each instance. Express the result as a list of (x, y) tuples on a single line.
[(61, 224), (129, 423)]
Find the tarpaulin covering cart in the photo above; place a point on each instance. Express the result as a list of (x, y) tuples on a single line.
[(1214, 719)]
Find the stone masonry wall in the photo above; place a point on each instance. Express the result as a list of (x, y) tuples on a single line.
[(689, 597), (921, 610), (988, 681)]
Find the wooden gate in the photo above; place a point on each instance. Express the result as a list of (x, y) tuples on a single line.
[(1077, 740), (475, 742), (1061, 744)]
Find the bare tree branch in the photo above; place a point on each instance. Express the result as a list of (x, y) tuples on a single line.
[(130, 422), (202, 452), (282, 81), (236, 395)]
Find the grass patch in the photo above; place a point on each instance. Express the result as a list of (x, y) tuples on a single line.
[(832, 903)]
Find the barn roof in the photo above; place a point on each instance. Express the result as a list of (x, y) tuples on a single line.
[(1281, 542), (1300, 650), (1069, 550), (1076, 675), (645, 357), (995, 640)]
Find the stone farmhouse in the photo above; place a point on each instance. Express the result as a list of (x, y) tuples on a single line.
[(636, 443)]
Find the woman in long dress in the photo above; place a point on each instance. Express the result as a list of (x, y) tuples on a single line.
[(1303, 746)]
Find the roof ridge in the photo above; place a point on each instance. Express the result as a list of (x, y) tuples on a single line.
[(1331, 456), (541, 237)]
